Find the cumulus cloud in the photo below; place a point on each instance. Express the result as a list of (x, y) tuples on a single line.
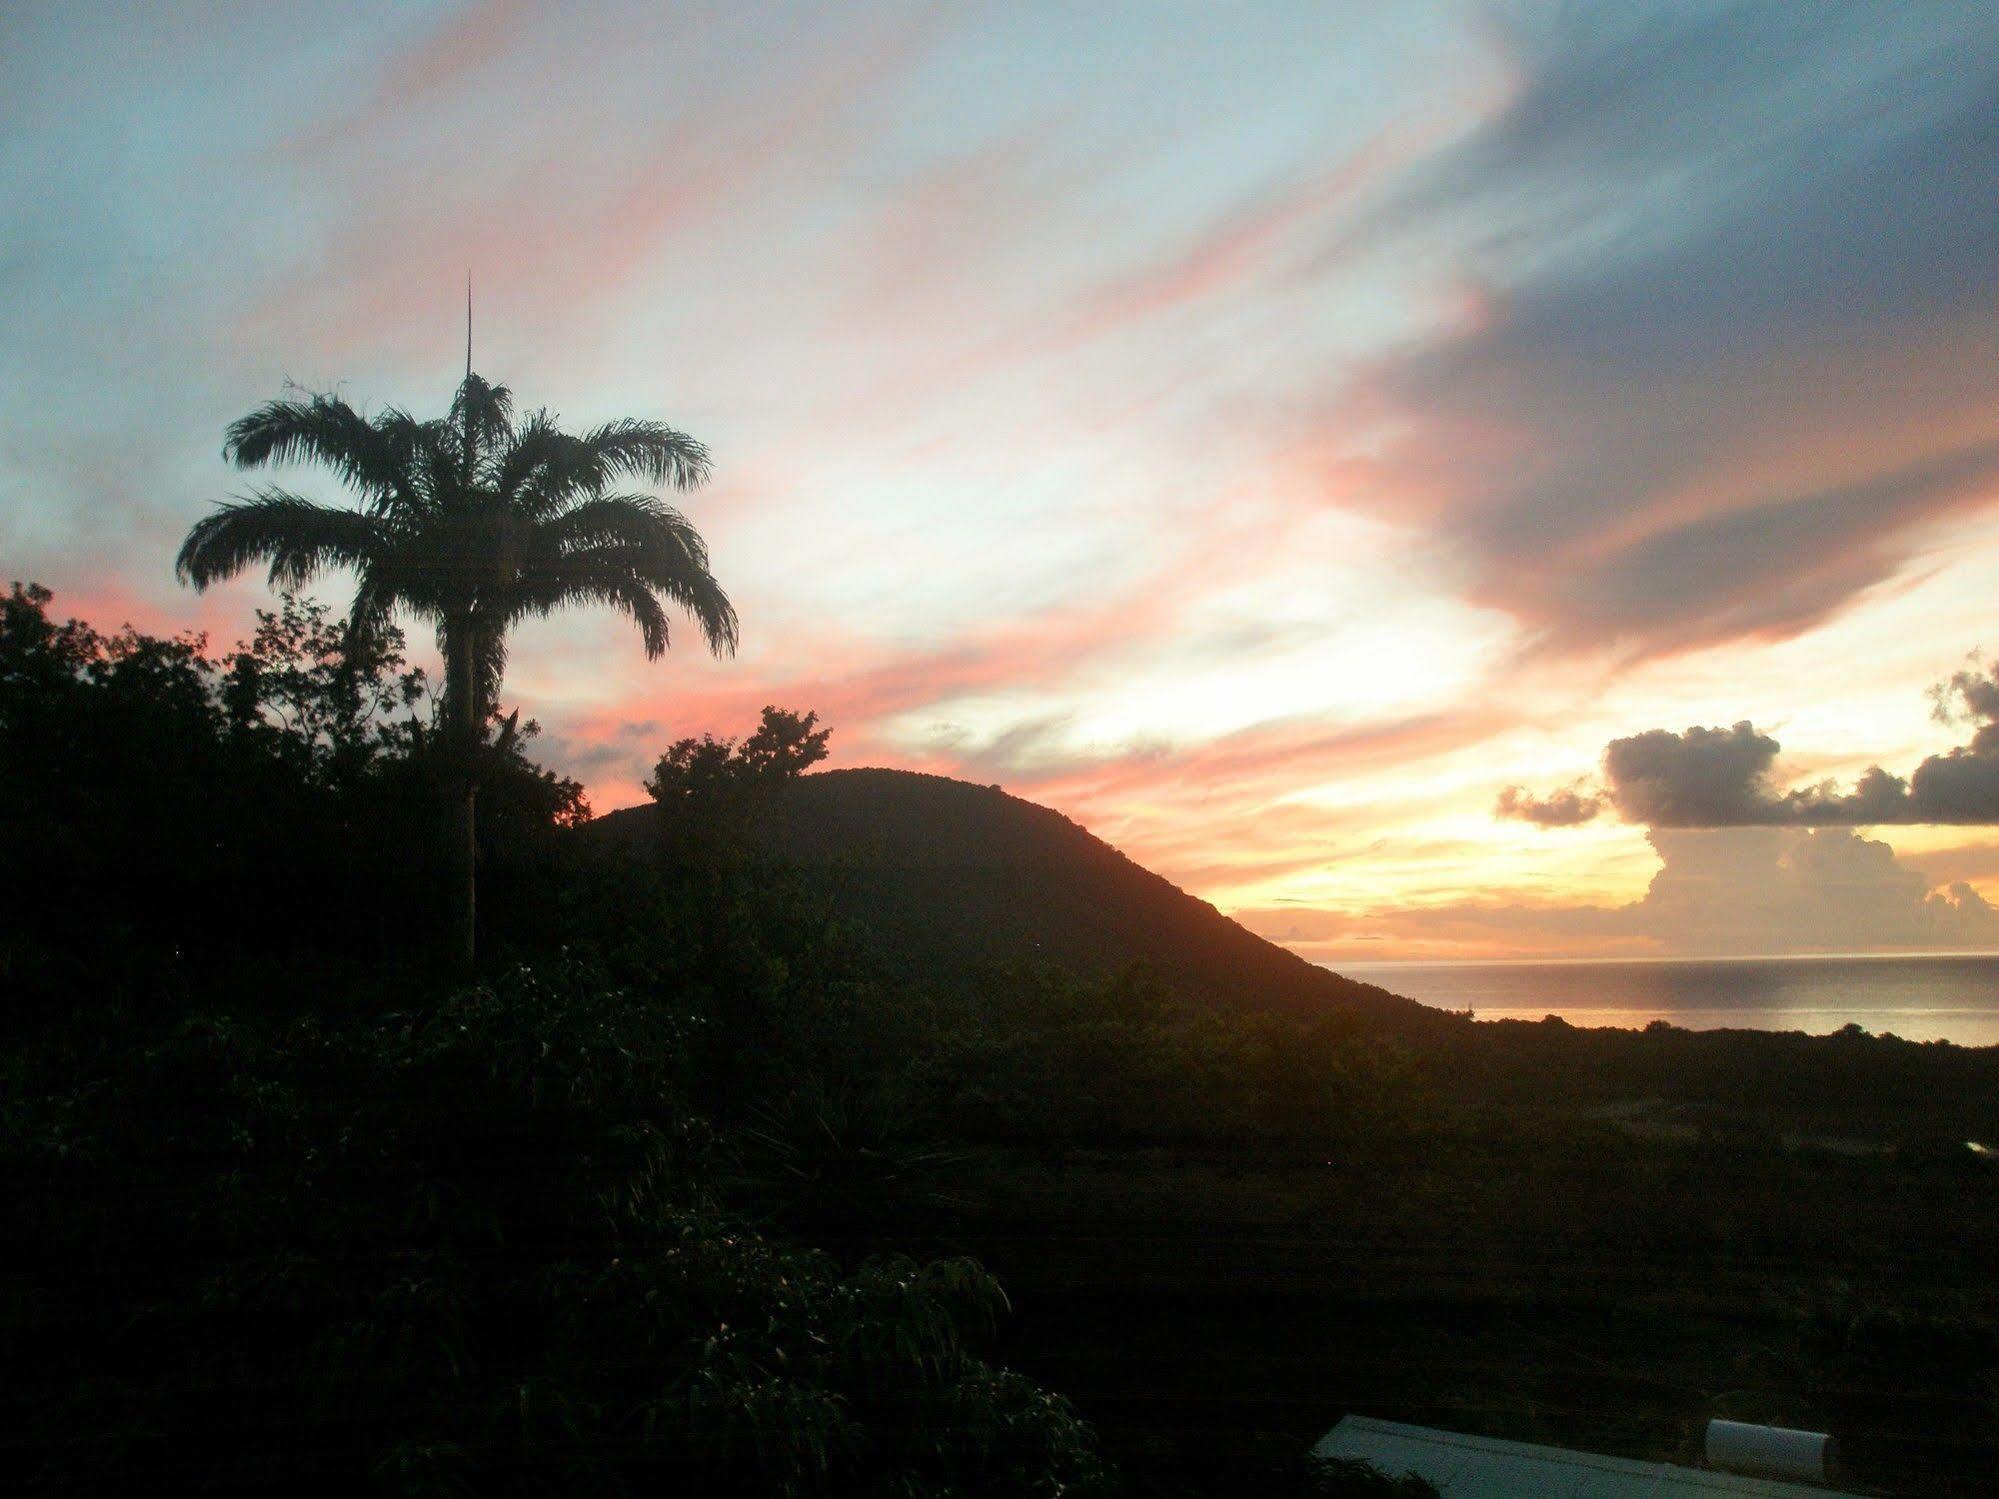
[(1565, 808), (1717, 892), (1721, 778), (1806, 890)]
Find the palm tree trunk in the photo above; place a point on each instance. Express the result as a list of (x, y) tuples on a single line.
[(461, 832)]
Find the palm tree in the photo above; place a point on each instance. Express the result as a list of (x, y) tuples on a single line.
[(471, 523)]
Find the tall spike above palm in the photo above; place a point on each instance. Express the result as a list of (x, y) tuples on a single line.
[(470, 523)]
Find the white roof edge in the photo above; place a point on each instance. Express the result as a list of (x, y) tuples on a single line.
[(1685, 1479)]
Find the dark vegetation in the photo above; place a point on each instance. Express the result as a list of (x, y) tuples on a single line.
[(293, 1207)]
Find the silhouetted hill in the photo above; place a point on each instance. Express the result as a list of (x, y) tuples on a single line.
[(953, 879)]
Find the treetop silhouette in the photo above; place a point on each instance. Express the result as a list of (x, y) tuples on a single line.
[(470, 523)]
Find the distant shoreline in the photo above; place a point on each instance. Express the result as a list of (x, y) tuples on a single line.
[(1349, 965), (1928, 996)]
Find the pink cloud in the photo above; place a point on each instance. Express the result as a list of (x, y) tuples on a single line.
[(570, 214), (1236, 249), (470, 41)]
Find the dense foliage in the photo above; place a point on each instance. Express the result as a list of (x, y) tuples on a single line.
[(464, 1250), (171, 811)]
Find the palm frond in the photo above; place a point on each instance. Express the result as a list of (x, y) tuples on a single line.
[(660, 547), (637, 520), (413, 445), (376, 599), (647, 450), (535, 443), (605, 571), (297, 536), (546, 469), (696, 591), (586, 580), (370, 457)]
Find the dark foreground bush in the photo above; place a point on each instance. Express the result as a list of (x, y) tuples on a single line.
[(465, 1251)]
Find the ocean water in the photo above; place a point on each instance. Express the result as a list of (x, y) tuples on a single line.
[(1919, 997)]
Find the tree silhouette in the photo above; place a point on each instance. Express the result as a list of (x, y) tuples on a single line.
[(470, 522)]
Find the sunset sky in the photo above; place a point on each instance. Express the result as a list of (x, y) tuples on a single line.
[(1266, 433)]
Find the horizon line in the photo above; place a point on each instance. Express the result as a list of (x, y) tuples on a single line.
[(1578, 960)]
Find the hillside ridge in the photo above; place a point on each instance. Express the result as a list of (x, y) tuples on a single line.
[(1025, 882)]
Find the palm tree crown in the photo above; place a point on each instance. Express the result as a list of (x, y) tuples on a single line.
[(470, 522)]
